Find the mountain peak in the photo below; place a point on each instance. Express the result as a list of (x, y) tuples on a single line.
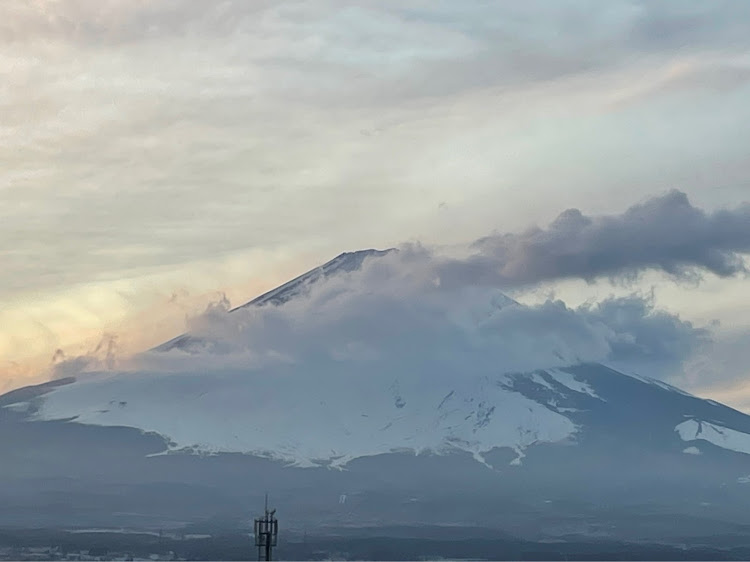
[(345, 262)]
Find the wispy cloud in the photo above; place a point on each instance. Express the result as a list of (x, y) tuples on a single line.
[(146, 144), (153, 134)]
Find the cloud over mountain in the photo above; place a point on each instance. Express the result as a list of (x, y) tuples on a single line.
[(394, 316), (416, 307), (665, 233)]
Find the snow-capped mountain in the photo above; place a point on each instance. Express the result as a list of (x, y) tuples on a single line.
[(554, 442)]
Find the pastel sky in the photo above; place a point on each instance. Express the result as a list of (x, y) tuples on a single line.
[(155, 154)]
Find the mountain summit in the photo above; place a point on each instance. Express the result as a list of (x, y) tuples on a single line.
[(343, 263)]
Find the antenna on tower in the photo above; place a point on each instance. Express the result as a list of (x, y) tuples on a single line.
[(266, 533)]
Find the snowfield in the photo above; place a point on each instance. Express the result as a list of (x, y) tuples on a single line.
[(569, 381), (303, 422), (724, 437)]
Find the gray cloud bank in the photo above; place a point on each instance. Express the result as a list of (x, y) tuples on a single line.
[(666, 233), (464, 333), (393, 318), (417, 310)]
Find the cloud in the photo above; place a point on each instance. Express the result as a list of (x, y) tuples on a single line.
[(664, 233), (723, 366), (645, 339), (417, 307), (149, 145), (104, 356), (393, 316), (156, 134)]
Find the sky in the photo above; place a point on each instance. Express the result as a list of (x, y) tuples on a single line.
[(159, 155)]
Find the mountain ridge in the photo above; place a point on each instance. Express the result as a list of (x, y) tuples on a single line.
[(427, 442)]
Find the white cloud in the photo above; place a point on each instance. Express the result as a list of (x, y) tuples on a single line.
[(395, 315)]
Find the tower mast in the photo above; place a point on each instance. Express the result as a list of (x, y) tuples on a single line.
[(266, 533)]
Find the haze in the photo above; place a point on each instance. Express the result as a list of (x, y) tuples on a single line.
[(157, 154)]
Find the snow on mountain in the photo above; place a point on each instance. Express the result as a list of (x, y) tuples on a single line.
[(334, 417), (313, 421), (569, 381), (724, 437)]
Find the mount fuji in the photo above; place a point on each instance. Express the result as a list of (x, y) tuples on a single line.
[(581, 449)]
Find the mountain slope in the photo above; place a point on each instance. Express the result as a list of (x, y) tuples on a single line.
[(424, 442), (346, 418)]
